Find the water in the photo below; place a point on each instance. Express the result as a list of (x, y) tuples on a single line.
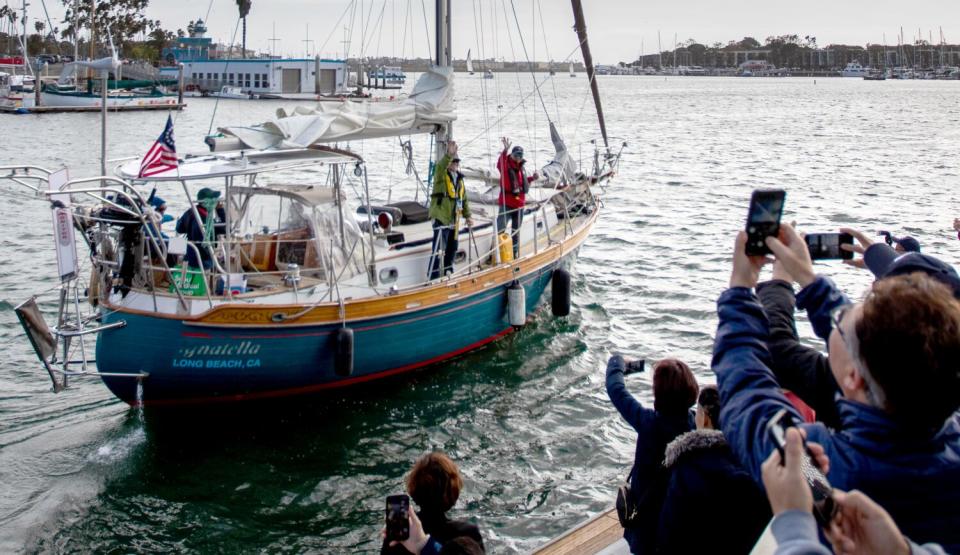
[(527, 418)]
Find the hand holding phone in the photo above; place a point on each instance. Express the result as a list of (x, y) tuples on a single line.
[(398, 517), (827, 246), (634, 367), (824, 507), (763, 219)]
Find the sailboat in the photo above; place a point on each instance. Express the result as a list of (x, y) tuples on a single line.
[(301, 287), (469, 63), (572, 73)]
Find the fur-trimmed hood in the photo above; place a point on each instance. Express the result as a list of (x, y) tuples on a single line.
[(692, 441)]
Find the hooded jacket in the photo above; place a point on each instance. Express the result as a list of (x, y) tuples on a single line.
[(514, 183), (913, 475), (447, 190), (648, 477), (709, 490)]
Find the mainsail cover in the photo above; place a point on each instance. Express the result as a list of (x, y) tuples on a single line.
[(428, 106)]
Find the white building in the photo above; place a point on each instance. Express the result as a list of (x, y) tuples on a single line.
[(265, 76)]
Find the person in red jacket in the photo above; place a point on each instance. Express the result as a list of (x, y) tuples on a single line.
[(514, 185)]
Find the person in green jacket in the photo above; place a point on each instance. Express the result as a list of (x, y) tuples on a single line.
[(448, 203)]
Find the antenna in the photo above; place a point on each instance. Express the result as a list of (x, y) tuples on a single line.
[(273, 41), (307, 43)]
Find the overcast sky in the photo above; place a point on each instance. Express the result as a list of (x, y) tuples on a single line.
[(618, 29)]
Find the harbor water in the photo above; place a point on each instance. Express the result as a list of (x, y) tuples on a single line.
[(526, 418)]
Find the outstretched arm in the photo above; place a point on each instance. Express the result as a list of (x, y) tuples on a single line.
[(626, 404)]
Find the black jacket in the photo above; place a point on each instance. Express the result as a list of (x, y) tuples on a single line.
[(648, 477), (801, 369), (712, 505), (441, 529), (189, 226)]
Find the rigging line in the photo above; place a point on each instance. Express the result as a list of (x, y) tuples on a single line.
[(378, 27), (335, 26), (426, 27), (527, 56), (510, 111), (225, 67), (403, 41), (209, 7), (478, 15), (513, 54), (50, 23), (553, 81), (493, 21)]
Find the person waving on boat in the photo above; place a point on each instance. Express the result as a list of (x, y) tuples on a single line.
[(514, 185), (448, 203)]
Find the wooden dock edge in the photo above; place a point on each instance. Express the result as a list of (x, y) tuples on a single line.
[(589, 537)]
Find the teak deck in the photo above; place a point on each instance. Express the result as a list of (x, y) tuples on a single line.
[(593, 536)]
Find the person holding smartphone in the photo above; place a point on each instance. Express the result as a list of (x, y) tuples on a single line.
[(434, 484), (894, 357), (674, 391)]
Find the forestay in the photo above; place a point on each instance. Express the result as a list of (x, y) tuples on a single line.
[(428, 106)]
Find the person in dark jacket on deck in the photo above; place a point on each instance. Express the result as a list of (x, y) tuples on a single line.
[(894, 356), (514, 186), (448, 204), (674, 391), (705, 480), (196, 232)]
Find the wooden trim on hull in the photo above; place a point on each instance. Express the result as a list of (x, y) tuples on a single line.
[(260, 316)]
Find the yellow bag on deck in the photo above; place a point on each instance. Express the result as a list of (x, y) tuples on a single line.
[(506, 247)]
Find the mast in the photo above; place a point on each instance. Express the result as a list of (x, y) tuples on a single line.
[(443, 59), (581, 27)]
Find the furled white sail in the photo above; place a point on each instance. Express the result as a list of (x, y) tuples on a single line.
[(428, 106), (469, 63)]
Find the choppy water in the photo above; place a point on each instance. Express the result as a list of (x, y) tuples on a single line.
[(527, 418)]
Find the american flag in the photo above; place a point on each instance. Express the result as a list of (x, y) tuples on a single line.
[(162, 156)]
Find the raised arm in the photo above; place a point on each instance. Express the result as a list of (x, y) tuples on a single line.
[(626, 404)]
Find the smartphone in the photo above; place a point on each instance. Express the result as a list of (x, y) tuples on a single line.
[(398, 523), (824, 508), (763, 219), (826, 246), (634, 367)]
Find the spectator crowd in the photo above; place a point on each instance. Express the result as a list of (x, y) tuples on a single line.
[(877, 414)]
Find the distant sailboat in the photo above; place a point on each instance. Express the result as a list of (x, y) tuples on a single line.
[(572, 74), (469, 63)]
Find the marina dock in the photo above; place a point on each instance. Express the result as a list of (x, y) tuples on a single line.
[(61, 109), (601, 534)]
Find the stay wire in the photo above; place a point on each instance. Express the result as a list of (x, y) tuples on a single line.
[(478, 20), (513, 54), (553, 81), (335, 26), (527, 56), (426, 28), (225, 67)]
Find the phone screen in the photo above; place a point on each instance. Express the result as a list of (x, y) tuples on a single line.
[(826, 246), (398, 524), (763, 219)]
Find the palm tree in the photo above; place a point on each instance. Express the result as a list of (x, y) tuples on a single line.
[(244, 6)]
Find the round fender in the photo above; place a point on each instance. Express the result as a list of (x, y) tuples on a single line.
[(343, 352), (517, 304), (560, 286)]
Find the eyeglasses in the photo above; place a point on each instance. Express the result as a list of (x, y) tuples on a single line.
[(836, 317)]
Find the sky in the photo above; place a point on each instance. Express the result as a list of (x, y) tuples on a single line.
[(618, 29)]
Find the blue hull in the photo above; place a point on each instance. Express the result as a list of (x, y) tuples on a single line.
[(189, 363)]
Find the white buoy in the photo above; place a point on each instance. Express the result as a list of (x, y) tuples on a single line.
[(517, 305)]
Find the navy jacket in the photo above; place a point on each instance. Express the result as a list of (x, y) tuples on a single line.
[(708, 491), (797, 367), (648, 477), (913, 476)]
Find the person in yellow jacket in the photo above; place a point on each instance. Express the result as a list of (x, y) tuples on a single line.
[(448, 207)]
